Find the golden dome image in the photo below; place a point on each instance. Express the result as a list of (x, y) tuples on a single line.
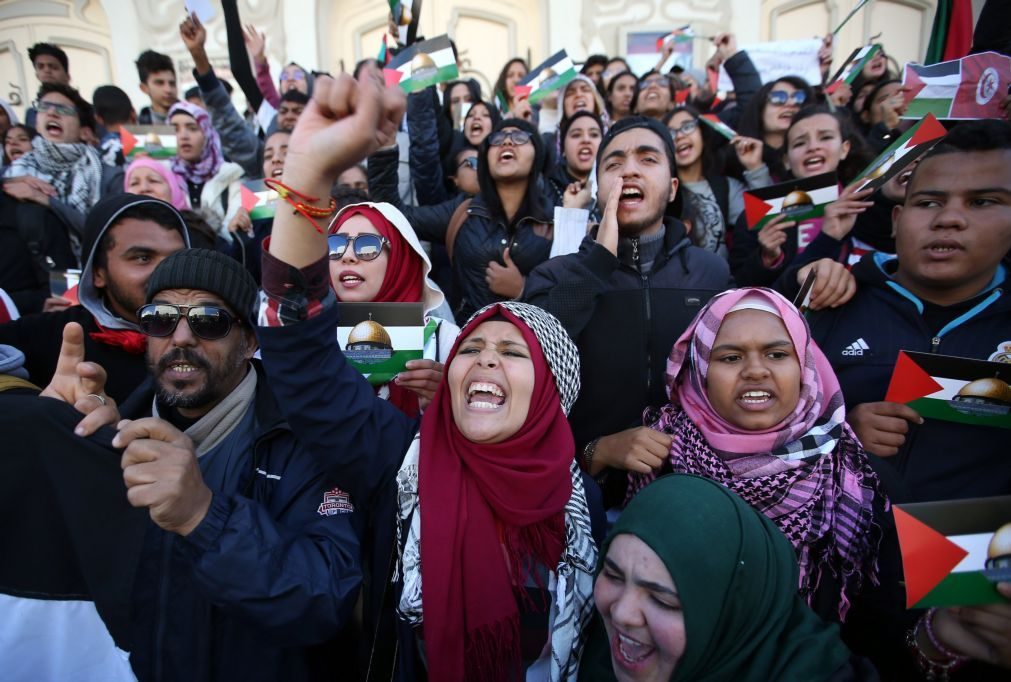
[(999, 551), (405, 15), (422, 65), (152, 141), (989, 390), (797, 202), (370, 333)]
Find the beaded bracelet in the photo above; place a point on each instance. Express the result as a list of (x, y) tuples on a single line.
[(928, 622), (932, 669), (304, 206)]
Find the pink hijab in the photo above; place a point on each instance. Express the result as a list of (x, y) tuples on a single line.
[(179, 197)]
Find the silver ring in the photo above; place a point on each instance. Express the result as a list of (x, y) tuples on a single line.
[(98, 398)]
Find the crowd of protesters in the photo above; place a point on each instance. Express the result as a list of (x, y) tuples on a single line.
[(625, 453)]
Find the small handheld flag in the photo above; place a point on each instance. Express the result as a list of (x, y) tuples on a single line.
[(422, 65), (556, 72), (910, 146), (799, 199), (714, 122), (379, 338), (258, 199), (953, 552), (853, 66), (156, 141)]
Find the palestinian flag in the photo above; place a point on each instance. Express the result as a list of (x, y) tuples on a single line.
[(953, 389), (967, 88), (853, 66), (954, 552), (910, 146), (258, 199), (379, 338), (71, 545), (554, 73), (951, 35), (799, 199), (685, 34), (156, 141), (714, 122), (422, 65)]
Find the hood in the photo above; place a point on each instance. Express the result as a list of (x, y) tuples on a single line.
[(431, 296), (597, 98), (12, 362), (98, 221), (876, 270)]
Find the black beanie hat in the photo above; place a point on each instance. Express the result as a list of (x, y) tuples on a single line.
[(207, 270), (675, 207)]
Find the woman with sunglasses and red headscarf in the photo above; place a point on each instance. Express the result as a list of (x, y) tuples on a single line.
[(375, 256)]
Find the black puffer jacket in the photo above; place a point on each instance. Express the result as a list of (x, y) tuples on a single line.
[(481, 239)]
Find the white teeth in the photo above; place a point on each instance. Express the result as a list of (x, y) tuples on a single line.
[(184, 368), (631, 650), (351, 278), (484, 387), (481, 405)]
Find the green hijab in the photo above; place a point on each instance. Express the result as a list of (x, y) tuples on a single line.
[(736, 576)]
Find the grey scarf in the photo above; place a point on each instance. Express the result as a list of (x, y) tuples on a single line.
[(215, 426), (73, 168)]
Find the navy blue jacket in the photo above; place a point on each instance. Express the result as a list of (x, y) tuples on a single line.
[(266, 575), (939, 460)]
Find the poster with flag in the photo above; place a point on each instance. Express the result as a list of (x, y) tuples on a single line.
[(853, 66), (556, 72), (156, 141), (422, 65), (968, 88), (954, 389), (258, 199), (714, 122), (954, 552), (799, 199), (910, 146), (379, 338)]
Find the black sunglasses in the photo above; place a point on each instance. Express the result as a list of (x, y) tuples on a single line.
[(209, 322), (366, 246), (514, 136)]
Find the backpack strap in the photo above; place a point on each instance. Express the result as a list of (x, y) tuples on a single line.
[(457, 220)]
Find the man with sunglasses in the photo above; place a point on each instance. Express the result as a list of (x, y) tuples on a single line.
[(625, 296), (124, 238), (255, 558)]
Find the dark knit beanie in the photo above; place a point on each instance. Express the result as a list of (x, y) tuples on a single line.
[(207, 270)]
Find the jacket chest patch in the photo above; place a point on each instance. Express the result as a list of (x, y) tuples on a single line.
[(335, 501), (1003, 353)]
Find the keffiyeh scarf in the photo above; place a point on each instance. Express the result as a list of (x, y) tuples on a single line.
[(74, 169)]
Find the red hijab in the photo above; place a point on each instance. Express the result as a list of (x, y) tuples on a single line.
[(405, 271), (403, 282), (483, 503)]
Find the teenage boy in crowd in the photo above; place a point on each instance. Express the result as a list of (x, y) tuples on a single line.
[(124, 238), (51, 66), (158, 81), (113, 110), (632, 288), (945, 292)]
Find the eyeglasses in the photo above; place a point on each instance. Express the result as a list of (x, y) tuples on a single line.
[(55, 108), (658, 81), (294, 76), (365, 246), (209, 322), (686, 128), (781, 97), (514, 136), (470, 162)]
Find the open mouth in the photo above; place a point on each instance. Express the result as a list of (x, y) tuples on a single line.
[(683, 148), (786, 115), (350, 280), (476, 127), (943, 248), (816, 162), (277, 172), (585, 154), (485, 395), (629, 652), (580, 104), (630, 196), (507, 155), (181, 370), (755, 399), (54, 128)]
